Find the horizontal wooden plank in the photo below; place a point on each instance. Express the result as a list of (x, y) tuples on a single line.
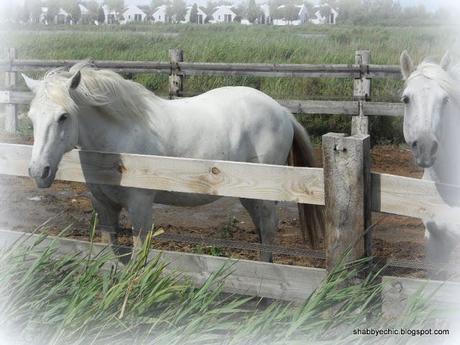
[(383, 109), (397, 291), (321, 107), (205, 68), (15, 97), (343, 107), (119, 66), (384, 71), (252, 278), (295, 106), (413, 197), (224, 178)]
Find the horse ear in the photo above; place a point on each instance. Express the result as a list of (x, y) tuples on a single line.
[(446, 61), (407, 66), (75, 81), (32, 84)]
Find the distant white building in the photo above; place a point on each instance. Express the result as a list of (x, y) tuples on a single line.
[(133, 14), (266, 17), (111, 16), (302, 17), (43, 14), (324, 14), (159, 16), (62, 17), (223, 14), (85, 15), (201, 16), (83, 10)]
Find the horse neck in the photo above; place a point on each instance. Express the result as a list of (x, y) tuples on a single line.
[(99, 130), (447, 166)]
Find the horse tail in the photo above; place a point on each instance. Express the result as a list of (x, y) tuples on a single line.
[(311, 216)]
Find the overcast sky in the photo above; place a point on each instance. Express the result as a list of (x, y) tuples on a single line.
[(429, 4)]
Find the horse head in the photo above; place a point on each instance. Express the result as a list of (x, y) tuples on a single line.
[(55, 124), (426, 97)]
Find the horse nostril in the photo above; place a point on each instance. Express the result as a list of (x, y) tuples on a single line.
[(30, 172), (46, 172), (434, 148), (414, 144)]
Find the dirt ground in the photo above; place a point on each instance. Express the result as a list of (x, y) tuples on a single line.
[(67, 205)]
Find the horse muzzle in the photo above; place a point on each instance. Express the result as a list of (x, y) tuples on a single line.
[(425, 151), (42, 174)]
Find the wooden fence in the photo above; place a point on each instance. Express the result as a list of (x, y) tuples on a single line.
[(361, 72), (345, 184)]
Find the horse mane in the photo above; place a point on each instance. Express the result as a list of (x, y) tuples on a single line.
[(105, 89), (448, 80)]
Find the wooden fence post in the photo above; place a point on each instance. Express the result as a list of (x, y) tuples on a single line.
[(176, 77), (347, 188), (11, 120), (361, 92)]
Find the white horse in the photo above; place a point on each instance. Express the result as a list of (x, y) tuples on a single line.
[(99, 110), (432, 129)]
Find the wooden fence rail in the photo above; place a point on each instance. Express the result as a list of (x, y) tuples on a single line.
[(362, 72), (212, 68), (252, 278), (405, 196), (348, 201), (295, 106)]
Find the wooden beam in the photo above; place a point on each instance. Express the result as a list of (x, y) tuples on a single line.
[(199, 68), (413, 197), (385, 71), (176, 77), (320, 107), (11, 109), (361, 93), (15, 97), (223, 178), (383, 108), (346, 189), (397, 291), (252, 278), (203, 68), (295, 106)]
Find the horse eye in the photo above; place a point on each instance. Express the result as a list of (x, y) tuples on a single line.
[(405, 99), (445, 100), (63, 117)]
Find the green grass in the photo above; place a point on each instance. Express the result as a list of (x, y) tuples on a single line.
[(237, 43), (78, 299)]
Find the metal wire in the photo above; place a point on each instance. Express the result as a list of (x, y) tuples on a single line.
[(293, 251)]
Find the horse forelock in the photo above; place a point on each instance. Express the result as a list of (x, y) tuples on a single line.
[(448, 80), (97, 88)]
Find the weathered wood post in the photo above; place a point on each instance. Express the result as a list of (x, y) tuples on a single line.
[(176, 77), (11, 119), (347, 187), (361, 92)]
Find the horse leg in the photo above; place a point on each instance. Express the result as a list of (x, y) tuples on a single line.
[(108, 215), (265, 218), (439, 247), (140, 213)]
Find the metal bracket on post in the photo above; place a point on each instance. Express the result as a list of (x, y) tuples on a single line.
[(361, 93), (347, 187), (176, 77)]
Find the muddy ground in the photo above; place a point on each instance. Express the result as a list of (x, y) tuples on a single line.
[(24, 207)]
